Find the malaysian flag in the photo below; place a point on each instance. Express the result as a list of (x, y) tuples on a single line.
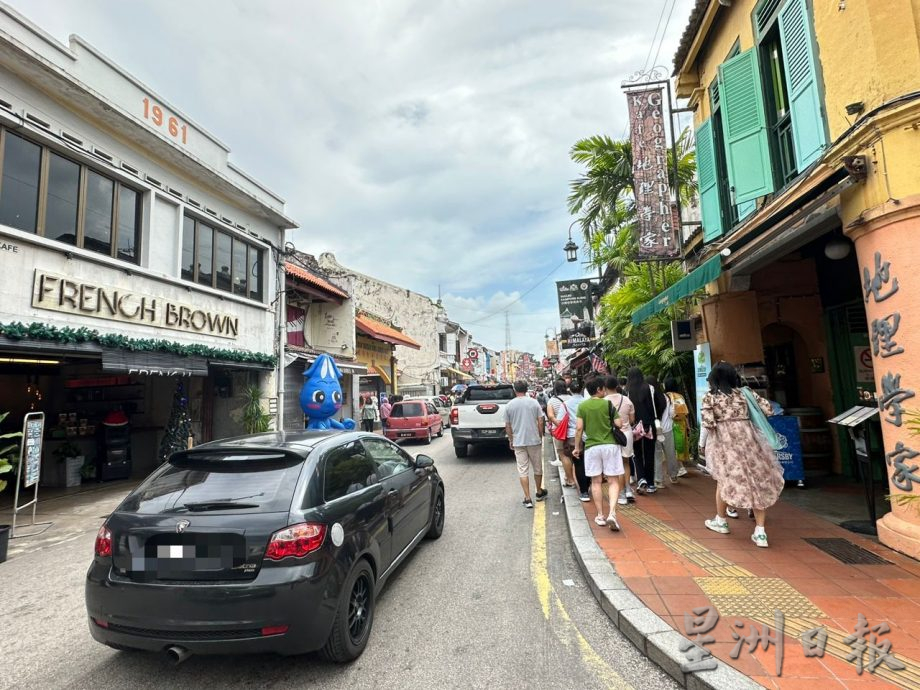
[(598, 365)]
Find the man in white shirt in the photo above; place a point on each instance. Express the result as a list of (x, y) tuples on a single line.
[(524, 425)]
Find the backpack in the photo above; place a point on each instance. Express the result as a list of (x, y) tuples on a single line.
[(561, 431)]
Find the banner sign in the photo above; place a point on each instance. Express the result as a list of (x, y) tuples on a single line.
[(702, 365), (658, 239), (789, 454), (576, 313)]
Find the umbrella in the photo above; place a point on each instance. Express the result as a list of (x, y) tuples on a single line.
[(459, 388)]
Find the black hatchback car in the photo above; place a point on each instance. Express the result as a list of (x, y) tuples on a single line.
[(275, 542)]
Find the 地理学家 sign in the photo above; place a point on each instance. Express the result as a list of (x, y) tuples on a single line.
[(655, 217)]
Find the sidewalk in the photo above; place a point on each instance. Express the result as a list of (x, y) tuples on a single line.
[(673, 564), (70, 512)]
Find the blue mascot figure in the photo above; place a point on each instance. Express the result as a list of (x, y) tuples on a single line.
[(321, 395)]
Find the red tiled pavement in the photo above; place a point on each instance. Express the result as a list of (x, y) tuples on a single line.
[(664, 579)]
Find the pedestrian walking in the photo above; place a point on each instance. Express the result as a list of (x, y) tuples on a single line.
[(558, 415), (368, 413), (595, 443), (386, 407), (524, 426), (738, 455), (649, 405), (665, 456), (578, 466), (681, 424), (625, 411)]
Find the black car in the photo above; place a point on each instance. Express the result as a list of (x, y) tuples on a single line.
[(275, 542)]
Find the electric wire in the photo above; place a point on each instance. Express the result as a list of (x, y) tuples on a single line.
[(664, 31), (519, 297)]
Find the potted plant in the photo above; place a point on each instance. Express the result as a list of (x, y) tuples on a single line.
[(70, 455), (255, 420), (9, 457)]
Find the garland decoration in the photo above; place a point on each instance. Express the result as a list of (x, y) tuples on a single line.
[(67, 335)]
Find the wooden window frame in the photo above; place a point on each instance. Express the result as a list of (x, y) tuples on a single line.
[(42, 210)]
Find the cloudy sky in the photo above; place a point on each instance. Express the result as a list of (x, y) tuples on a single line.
[(422, 141)]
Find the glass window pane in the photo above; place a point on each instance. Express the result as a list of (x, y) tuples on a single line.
[(129, 217), (255, 273), (347, 470), (63, 197), (223, 259), (240, 273), (19, 192), (188, 249), (205, 253), (97, 224)]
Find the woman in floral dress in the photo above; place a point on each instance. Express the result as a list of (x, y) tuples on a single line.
[(737, 454)]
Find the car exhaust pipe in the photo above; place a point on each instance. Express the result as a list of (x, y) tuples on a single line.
[(177, 654)]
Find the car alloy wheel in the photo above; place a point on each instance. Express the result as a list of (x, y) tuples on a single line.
[(437, 516), (359, 609)]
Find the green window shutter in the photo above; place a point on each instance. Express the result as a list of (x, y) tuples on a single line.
[(746, 209), (747, 150), (795, 35), (708, 180)]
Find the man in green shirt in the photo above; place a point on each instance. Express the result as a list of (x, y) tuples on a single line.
[(602, 456)]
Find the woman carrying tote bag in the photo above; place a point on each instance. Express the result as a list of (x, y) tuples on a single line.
[(738, 455)]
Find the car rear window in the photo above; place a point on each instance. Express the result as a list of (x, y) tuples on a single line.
[(263, 483), (408, 410), (490, 393)]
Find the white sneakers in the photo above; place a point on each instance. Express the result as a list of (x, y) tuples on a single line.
[(760, 539), (612, 523), (717, 525)]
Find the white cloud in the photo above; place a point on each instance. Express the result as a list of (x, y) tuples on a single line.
[(422, 141)]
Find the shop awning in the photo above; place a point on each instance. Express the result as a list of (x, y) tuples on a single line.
[(690, 283), (153, 363), (384, 333), (382, 373), (461, 374)]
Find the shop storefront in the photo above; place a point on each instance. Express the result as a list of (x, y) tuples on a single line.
[(375, 349), (137, 260)]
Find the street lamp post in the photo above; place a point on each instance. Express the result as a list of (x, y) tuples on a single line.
[(570, 248)]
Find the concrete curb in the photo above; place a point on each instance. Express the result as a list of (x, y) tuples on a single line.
[(655, 638)]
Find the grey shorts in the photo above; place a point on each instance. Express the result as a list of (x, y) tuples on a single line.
[(529, 457)]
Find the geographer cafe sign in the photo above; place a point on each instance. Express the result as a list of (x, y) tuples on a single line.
[(656, 222), (62, 294)]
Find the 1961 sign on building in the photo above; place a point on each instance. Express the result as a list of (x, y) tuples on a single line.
[(61, 294)]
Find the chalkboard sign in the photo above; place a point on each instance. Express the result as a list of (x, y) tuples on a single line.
[(789, 454), (31, 454)]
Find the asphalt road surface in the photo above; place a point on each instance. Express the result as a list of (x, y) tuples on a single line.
[(497, 602)]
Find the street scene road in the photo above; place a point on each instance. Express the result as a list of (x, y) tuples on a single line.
[(497, 602)]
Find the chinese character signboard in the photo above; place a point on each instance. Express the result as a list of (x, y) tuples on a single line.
[(576, 313), (658, 228)]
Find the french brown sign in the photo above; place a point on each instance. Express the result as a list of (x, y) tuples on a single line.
[(658, 239), (68, 296)]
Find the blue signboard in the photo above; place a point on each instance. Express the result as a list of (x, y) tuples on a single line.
[(790, 450), (702, 365)]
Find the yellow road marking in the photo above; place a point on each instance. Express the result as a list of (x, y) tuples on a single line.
[(550, 603)]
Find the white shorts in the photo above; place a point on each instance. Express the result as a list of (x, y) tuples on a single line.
[(605, 459), (628, 448)]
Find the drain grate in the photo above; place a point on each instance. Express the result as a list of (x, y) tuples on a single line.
[(846, 551)]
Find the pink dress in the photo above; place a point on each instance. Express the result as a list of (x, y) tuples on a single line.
[(737, 455)]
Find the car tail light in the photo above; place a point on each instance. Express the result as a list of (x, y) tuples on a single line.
[(274, 630), (454, 416), (104, 542), (421, 423), (295, 541), (101, 623)]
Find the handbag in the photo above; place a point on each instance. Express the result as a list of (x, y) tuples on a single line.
[(618, 436), (658, 431), (561, 430), (639, 431), (759, 419)]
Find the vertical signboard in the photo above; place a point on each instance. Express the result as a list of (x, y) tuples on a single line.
[(31, 457), (658, 239), (702, 365), (576, 313)]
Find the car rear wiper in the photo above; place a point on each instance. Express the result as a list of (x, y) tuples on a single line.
[(217, 505)]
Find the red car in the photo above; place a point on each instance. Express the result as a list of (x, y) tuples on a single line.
[(417, 419)]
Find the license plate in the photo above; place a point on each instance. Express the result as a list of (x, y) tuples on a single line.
[(489, 432), (405, 434)]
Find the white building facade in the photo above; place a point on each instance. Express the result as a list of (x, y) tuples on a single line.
[(135, 255)]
